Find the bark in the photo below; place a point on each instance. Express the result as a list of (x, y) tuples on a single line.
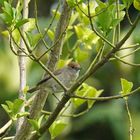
[(40, 98)]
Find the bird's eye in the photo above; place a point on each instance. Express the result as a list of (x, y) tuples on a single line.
[(72, 66)]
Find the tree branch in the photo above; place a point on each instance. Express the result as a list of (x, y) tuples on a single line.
[(22, 66), (5, 127), (106, 98), (41, 96), (92, 69)]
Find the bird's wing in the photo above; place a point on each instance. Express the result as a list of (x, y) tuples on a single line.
[(57, 72)]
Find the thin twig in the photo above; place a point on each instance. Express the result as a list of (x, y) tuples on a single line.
[(129, 47), (130, 53), (41, 96), (118, 17), (46, 31), (21, 49), (52, 75), (71, 50), (95, 31), (92, 16), (22, 65), (107, 98), (128, 17), (5, 127), (12, 48), (55, 43), (77, 4), (8, 138), (131, 130), (26, 43), (92, 70), (38, 28), (67, 115), (125, 62)]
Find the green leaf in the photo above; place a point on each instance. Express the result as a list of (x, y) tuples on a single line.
[(104, 19), (87, 36), (29, 37), (16, 35), (9, 109), (21, 22), (25, 89), (10, 104), (86, 91), (36, 38), (57, 128), (12, 108), (61, 63), (6, 18), (81, 55), (111, 1), (2, 2), (101, 4), (127, 3), (126, 86), (6, 108), (81, 91), (56, 13), (50, 34), (33, 38), (93, 93), (40, 120), (30, 25), (17, 105), (8, 9), (71, 3), (22, 114), (34, 124)]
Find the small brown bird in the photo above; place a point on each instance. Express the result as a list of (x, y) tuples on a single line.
[(66, 75)]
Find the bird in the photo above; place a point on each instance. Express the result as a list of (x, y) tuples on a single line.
[(67, 76)]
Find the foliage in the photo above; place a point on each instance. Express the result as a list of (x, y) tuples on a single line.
[(91, 38), (12, 108)]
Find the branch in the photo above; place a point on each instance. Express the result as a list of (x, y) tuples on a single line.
[(106, 98), (125, 62), (128, 17), (5, 127), (8, 138), (137, 49), (92, 69), (41, 96), (33, 57), (95, 31), (131, 129), (67, 115), (129, 47), (22, 66)]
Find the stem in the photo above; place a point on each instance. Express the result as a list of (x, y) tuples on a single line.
[(130, 120), (125, 62), (95, 31), (118, 26), (5, 127), (90, 71), (22, 67), (41, 96), (106, 98)]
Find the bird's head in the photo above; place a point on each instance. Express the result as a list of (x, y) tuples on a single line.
[(74, 66)]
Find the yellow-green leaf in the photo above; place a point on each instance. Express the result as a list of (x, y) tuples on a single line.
[(57, 128), (126, 86)]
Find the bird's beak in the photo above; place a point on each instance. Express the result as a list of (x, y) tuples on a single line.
[(78, 68)]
